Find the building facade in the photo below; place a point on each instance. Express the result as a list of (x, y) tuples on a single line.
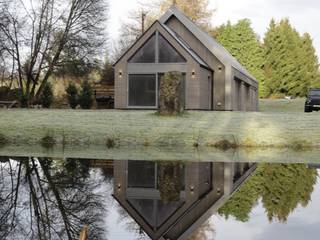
[(144, 189), (213, 79)]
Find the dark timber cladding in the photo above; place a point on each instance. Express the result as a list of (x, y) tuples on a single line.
[(201, 189), (213, 79)]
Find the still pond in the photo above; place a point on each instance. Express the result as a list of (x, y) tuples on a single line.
[(51, 198)]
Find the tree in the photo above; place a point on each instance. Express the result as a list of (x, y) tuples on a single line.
[(107, 74), (139, 20), (171, 94), (86, 95), (72, 94), (197, 10), (291, 65), (281, 187), (242, 42), (46, 98), (286, 186), (42, 198), (282, 65), (39, 38), (310, 64)]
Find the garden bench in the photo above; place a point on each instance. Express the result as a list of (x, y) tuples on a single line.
[(104, 96), (8, 104)]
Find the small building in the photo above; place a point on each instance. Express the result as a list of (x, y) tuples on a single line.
[(172, 200), (213, 79)]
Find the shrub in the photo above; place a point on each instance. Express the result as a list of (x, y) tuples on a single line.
[(225, 145), (86, 96), (111, 143), (23, 99), (46, 98), (72, 94), (48, 142), (171, 94), (3, 140)]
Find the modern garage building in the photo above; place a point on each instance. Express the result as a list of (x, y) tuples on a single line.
[(213, 79)]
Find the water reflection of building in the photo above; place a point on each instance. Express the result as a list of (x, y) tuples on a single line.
[(314, 165), (171, 200)]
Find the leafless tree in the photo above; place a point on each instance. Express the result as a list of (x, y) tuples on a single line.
[(41, 35), (38, 201)]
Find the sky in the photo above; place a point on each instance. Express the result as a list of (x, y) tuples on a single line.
[(304, 15)]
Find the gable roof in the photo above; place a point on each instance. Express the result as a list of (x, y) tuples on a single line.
[(193, 54), (211, 44), (180, 41)]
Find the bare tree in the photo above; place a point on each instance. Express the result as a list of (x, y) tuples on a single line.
[(41, 35), (138, 21), (39, 201)]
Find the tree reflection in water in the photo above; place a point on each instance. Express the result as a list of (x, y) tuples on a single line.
[(42, 198), (206, 231), (281, 188)]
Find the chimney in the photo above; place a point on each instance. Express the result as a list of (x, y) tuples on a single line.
[(143, 19)]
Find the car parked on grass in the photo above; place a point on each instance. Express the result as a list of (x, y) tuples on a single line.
[(313, 100)]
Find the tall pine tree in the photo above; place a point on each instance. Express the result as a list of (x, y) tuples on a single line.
[(242, 42), (291, 65), (310, 65)]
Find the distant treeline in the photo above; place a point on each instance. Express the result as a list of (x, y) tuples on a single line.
[(285, 62)]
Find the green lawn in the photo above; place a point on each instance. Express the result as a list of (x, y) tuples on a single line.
[(144, 129), (282, 105)]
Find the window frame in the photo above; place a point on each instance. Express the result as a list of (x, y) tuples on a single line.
[(155, 50), (156, 92), (157, 35)]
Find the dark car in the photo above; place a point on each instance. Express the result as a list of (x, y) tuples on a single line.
[(313, 100)]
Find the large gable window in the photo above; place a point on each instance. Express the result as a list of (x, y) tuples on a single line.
[(147, 53), (142, 90), (167, 53)]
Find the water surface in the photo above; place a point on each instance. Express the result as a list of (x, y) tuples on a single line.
[(54, 198)]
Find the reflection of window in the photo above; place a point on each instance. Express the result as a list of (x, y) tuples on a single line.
[(147, 53), (141, 174), (167, 54), (155, 212), (142, 90)]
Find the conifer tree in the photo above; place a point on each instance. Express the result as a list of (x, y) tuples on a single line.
[(291, 66), (272, 47), (310, 65), (242, 42), (281, 188)]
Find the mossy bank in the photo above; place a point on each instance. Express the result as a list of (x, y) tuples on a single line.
[(114, 129)]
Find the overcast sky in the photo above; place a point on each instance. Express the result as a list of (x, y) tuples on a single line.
[(304, 15)]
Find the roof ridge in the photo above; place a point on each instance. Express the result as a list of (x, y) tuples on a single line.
[(211, 43)]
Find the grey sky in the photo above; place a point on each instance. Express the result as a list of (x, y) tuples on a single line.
[(304, 15)]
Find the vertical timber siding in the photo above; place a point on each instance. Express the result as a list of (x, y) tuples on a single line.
[(205, 89), (192, 84), (208, 57)]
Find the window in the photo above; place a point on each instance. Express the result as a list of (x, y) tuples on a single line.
[(167, 53), (141, 174), (142, 90), (147, 53)]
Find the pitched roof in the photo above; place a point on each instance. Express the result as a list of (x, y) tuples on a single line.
[(211, 44), (185, 46), (180, 41)]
